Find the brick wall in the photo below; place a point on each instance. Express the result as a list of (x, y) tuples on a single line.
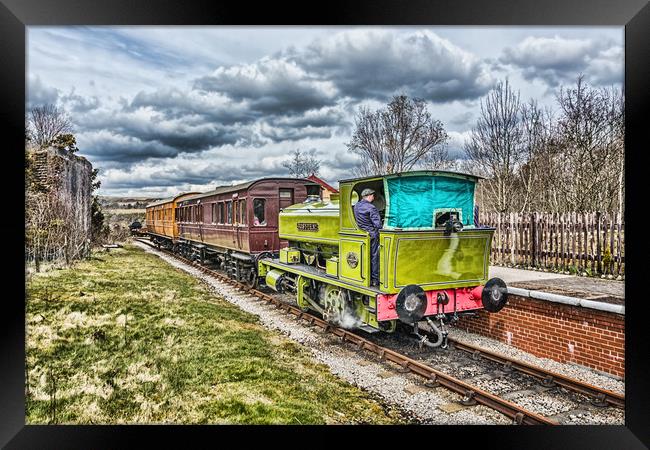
[(560, 332)]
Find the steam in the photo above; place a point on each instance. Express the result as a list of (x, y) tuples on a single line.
[(346, 320)]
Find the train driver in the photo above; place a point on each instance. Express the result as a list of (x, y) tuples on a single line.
[(368, 219)]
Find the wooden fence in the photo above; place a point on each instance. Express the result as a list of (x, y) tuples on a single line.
[(577, 242)]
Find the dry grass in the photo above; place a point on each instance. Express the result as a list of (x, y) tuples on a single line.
[(125, 338)]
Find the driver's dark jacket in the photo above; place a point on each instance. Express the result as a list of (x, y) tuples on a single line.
[(367, 217)]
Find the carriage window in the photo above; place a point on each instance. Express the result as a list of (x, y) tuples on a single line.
[(242, 210), (229, 209), (258, 211), (221, 213)]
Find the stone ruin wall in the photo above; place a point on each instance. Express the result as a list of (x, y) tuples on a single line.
[(70, 176)]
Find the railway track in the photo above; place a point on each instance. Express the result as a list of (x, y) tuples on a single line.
[(471, 394)]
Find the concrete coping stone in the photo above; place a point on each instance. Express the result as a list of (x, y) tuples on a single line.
[(539, 295)]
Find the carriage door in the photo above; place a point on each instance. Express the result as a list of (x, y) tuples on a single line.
[(286, 197)]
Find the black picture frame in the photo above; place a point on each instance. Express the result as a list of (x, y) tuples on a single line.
[(16, 15)]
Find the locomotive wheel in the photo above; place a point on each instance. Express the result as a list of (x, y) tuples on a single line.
[(411, 304), (495, 295), (336, 306), (251, 279)]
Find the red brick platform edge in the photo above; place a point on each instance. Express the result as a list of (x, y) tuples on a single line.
[(564, 333)]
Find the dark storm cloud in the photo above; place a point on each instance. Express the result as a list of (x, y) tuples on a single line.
[(324, 117), (212, 174), (175, 104), (79, 104), (276, 134), (272, 86), (379, 63), (183, 138), (122, 150), (558, 60), (149, 134)]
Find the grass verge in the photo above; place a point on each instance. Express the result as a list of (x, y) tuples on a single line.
[(126, 338)]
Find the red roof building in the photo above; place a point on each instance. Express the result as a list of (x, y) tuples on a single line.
[(326, 188)]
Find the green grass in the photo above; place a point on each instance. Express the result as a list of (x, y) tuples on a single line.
[(126, 338)]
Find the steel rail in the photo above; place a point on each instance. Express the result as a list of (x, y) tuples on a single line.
[(598, 395), (472, 394)]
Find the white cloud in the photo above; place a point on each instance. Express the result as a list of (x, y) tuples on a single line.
[(560, 60)]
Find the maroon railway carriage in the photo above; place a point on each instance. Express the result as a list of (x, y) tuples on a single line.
[(234, 226)]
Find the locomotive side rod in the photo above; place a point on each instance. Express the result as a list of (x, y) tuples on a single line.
[(471, 393)]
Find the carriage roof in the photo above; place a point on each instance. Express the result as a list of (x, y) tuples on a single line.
[(244, 186)]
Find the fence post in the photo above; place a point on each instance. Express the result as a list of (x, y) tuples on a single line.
[(599, 267), (611, 242), (533, 234), (562, 255), (618, 229), (512, 238), (499, 246)]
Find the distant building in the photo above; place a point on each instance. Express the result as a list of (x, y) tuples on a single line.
[(326, 189)]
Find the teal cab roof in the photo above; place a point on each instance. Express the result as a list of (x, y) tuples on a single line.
[(416, 173), (413, 200)]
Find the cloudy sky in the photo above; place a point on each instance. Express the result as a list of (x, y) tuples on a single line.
[(166, 109)]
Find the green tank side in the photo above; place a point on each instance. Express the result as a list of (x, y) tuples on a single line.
[(312, 222), (434, 260)]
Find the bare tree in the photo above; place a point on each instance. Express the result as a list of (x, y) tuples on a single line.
[(496, 146), (538, 172), (397, 138), (302, 165), (52, 229), (45, 123), (438, 159), (590, 134)]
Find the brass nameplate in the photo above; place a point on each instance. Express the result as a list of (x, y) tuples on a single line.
[(307, 226)]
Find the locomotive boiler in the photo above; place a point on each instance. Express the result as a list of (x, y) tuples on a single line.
[(433, 264)]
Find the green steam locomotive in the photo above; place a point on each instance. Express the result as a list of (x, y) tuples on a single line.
[(433, 257)]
